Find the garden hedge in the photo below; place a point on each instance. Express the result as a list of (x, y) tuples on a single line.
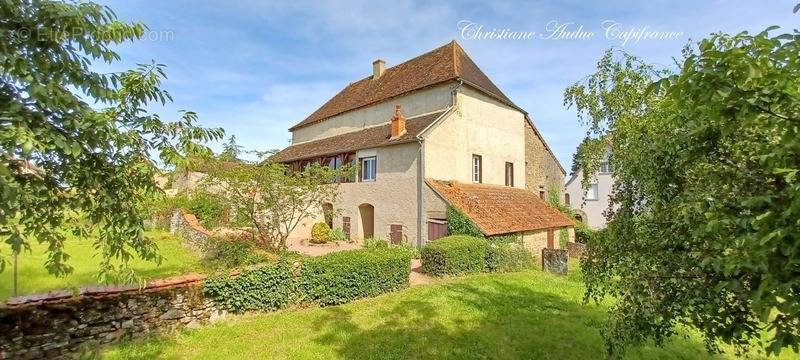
[(344, 276), (456, 254), (270, 287)]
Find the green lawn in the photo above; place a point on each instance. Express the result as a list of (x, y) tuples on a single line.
[(527, 315), (34, 278)]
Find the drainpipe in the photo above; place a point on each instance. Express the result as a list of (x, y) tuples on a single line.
[(421, 168)]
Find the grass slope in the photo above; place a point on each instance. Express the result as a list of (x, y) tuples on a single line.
[(527, 315), (34, 278)]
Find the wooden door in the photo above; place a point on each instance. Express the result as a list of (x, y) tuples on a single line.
[(551, 237), (436, 229)]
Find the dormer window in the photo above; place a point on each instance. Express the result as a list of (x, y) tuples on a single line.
[(606, 167)]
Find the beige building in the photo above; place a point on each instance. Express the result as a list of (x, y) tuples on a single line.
[(426, 134)]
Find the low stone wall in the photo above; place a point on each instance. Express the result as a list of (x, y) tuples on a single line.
[(60, 324), (195, 236), (576, 250), (555, 261)]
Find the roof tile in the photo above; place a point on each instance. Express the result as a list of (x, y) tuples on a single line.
[(500, 209), (448, 62), (375, 136)]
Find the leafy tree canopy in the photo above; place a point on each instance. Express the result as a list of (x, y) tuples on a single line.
[(704, 223), (76, 145)]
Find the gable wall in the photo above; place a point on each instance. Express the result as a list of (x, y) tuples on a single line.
[(482, 126), (541, 170)]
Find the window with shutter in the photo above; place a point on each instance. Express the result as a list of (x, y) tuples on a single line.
[(396, 233)]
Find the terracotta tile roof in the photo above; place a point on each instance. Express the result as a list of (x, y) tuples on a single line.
[(500, 209), (445, 63), (375, 136)]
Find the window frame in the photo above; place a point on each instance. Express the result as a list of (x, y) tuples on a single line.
[(596, 192), (509, 174), (477, 168), (362, 167)]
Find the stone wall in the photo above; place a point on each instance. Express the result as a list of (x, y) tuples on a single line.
[(576, 250), (542, 170), (60, 324), (555, 261), (195, 236)]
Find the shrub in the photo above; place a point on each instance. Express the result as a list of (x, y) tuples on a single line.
[(320, 233), (460, 224), (455, 254), (505, 239), (371, 243), (236, 251), (204, 205), (340, 277), (337, 234), (270, 287), (508, 257), (583, 232)]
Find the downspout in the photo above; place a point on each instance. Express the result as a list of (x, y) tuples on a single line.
[(421, 167)]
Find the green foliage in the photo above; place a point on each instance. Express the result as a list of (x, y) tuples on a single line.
[(703, 225), (206, 206), (508, 257), (460, 224), (344, 276), (337, 234), (454, 254), (269, 287), (583, 232), (320, 233), (235, 251), (271, 198), (231, 150), (77, 141), (373, 242), (505, 239)]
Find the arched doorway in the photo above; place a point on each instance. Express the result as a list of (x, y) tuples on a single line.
[(327, 212), (366, 213)]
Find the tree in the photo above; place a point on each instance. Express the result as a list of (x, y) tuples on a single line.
[(703, 224), (85, 132), (271, 199), (231, 150)]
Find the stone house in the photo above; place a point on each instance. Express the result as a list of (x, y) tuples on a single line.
[(426, 134)]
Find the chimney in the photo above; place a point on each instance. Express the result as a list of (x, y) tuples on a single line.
[(378, 68), (398, 123)]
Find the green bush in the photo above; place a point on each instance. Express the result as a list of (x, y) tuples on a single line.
[(372, 243), (583, 232), (508, 257), (270, 287), (505, 239), (204, 205), (460, 224), (340, 277), (320, 233), (236, 251), (455, 254), (337, 234)]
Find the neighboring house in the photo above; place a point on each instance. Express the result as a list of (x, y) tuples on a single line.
[(591, 203), (430, 132)]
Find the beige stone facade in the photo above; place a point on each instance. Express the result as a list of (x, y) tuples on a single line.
[(542, 169)]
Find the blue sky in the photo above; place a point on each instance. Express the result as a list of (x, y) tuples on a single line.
[(256, 68)]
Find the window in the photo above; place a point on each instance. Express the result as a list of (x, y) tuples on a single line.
[(541, 194), (477, 169), (566, 199), (606, 167), (368, 168), (591, 192), (509, 174)]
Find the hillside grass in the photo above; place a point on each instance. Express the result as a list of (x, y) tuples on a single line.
[(525, 315), (85, 259)]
